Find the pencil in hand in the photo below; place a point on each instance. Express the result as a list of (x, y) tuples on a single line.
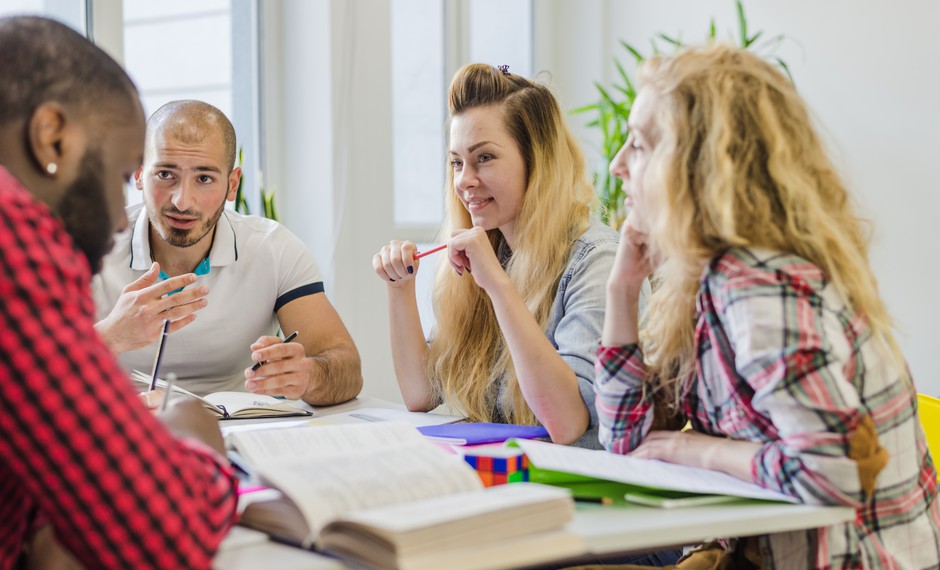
[(259, 364), (421, 254)]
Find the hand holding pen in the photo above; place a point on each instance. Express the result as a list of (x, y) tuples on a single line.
[(150, 397), (281, 368), (261, 363), (397, 263)]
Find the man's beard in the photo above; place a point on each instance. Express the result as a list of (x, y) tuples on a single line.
[(84, 212), (188, 237)]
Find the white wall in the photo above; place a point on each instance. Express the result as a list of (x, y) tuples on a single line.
[(328, 124), (867, 68)]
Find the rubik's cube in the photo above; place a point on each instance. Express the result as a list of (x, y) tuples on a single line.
[(499, 465)]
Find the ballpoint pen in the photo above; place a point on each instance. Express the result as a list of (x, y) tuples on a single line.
[(290, 337), (159, 357)]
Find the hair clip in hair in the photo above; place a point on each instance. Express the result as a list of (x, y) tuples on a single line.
[(503, 68)]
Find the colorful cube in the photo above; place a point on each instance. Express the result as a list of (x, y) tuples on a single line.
[(497, 464)]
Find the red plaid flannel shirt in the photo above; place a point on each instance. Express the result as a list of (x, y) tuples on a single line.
[(77, 448)]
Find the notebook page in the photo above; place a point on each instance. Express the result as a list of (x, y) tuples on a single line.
[(645, 472)]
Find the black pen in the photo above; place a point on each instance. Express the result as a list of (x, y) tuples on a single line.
[(159, 357), (290, 337), (606, 501)]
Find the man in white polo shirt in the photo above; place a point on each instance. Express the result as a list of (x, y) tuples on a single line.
[(225, 281)]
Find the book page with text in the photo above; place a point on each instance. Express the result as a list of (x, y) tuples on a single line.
[(328, 471), (326, 488)]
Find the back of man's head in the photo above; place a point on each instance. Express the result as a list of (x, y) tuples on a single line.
[(192, 122), (71, 127), (44, 60)]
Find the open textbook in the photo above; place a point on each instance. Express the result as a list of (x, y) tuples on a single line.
[(381, 495), (233, 405)]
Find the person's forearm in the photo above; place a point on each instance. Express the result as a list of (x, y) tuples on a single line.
[(621, 316), (336, 376), (409, 349), (734, 457), (548, 384)]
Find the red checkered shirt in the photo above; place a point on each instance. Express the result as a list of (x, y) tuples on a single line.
[(782, 361), (77, 448)]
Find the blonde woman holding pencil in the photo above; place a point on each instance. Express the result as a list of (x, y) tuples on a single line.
[(519, 303)]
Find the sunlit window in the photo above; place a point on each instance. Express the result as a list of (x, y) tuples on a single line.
[(69, 12)]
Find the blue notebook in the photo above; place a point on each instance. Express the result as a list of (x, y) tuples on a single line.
[(474, 433)]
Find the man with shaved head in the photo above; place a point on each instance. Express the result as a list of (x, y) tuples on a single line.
[(226, 282), (83, 464)]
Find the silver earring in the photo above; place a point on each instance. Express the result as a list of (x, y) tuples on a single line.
[(52, 168)]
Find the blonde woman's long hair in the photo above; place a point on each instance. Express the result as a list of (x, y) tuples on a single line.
[(468, 354), (737, 163)]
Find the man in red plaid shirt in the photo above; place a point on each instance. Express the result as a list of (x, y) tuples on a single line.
[(83, 463)]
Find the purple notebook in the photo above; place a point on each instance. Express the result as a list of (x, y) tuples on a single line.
[(474, 433)]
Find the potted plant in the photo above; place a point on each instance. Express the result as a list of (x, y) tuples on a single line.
[(267, 196), (612, 109)]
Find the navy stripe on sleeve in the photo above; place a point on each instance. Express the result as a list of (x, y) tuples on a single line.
[(297, 293)]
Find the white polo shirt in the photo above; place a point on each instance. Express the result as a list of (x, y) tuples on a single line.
[(256, 267)]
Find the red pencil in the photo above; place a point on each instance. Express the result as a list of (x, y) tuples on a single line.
[(430, 251)]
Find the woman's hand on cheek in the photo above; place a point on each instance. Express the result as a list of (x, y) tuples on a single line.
[(632, 264), (471, 251)]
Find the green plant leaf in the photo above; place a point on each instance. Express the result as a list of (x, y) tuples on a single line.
[(628, 89), (711, 30), (605, 95), (750, 41), (241, 205), (742, 22), (639, 57), (770, 45), (786, 68), (674, 41), (584, 109)]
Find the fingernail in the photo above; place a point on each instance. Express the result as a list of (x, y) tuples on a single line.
[(256, 356), (204, 290), (411, 269), (250, 385)]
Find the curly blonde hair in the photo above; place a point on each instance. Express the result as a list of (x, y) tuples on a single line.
[(468, 354), (737, 163)]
